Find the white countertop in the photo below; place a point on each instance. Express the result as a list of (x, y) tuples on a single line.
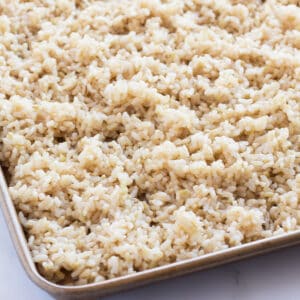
[(274, 276)]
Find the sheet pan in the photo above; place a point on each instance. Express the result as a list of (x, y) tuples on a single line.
[(93, 291)]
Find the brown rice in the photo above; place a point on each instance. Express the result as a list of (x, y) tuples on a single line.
[(139, 133)]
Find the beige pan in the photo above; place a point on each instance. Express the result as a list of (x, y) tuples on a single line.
[(125, 282)]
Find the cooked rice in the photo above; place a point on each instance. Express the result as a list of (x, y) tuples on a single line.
[(139, 133)]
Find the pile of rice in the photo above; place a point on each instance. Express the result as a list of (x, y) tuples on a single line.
[(138, 133)]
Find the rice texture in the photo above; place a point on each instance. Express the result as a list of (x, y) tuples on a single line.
[(138, 133)]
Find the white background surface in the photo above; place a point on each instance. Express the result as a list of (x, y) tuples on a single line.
[(270, 277)]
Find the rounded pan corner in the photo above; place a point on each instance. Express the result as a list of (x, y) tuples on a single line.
[(19, 241)]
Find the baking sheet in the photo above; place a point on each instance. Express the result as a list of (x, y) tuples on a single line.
[(95, 290)]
